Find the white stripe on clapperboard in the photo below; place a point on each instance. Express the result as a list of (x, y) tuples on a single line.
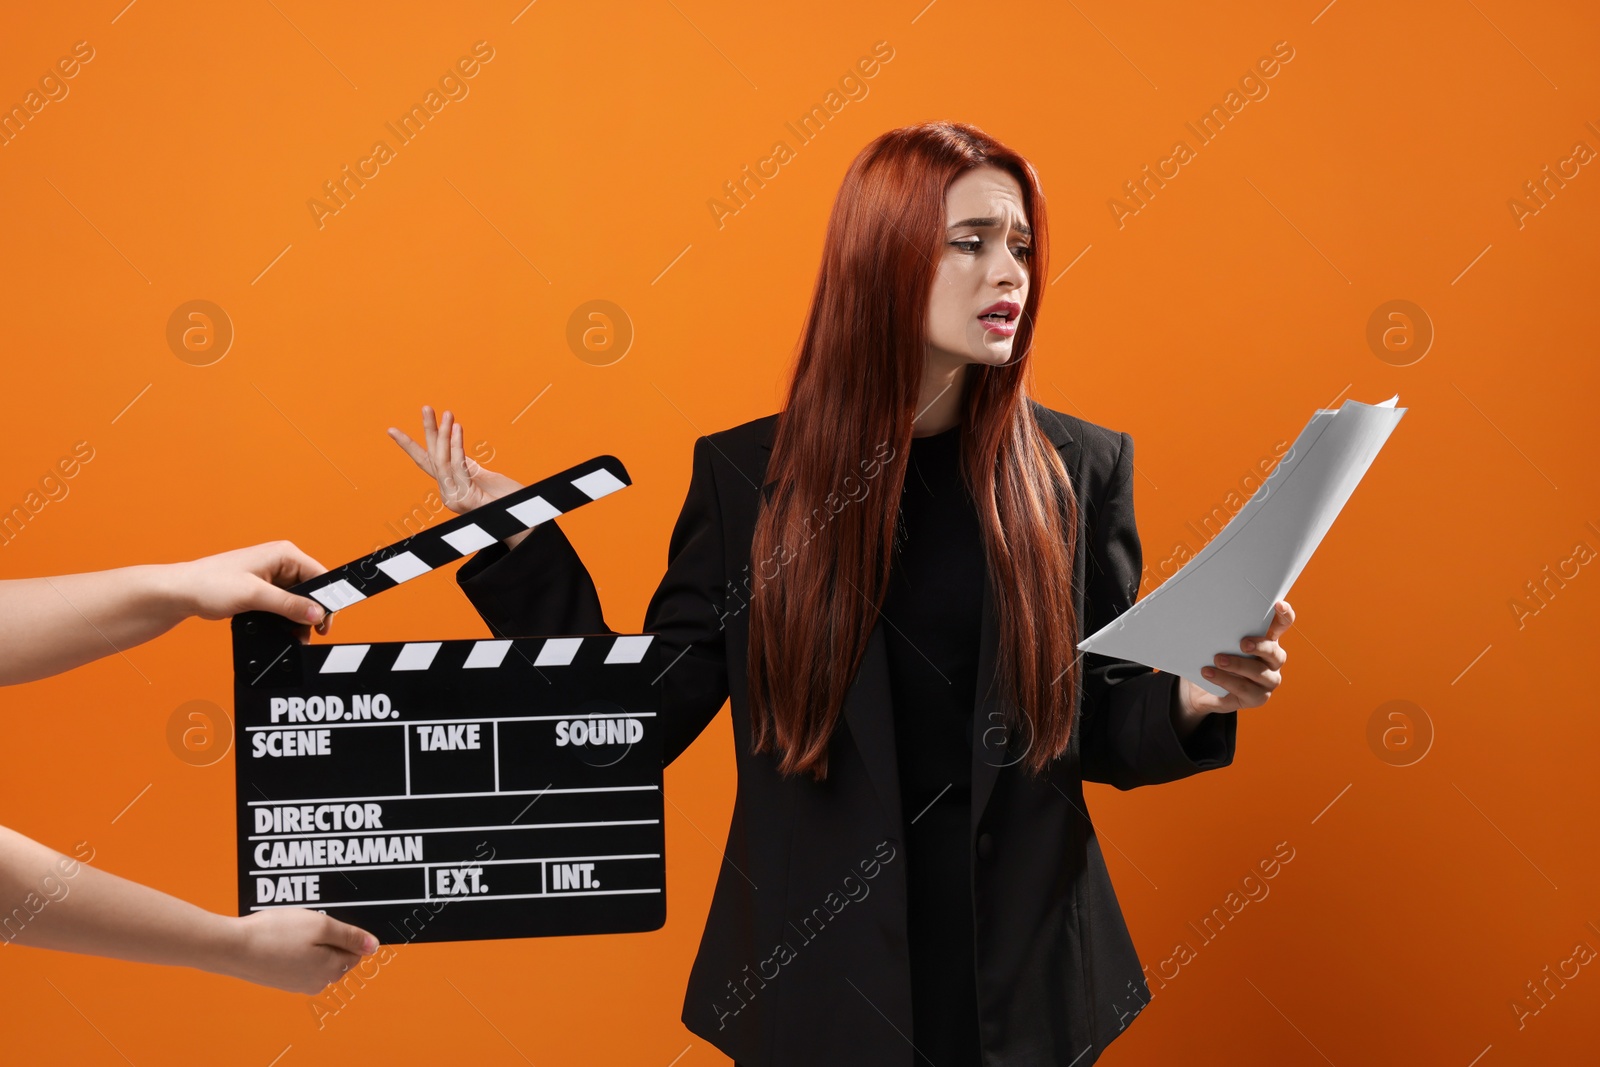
[(338, 595), (487, 655)]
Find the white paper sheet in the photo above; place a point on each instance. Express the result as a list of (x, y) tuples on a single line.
[(1227, 590)]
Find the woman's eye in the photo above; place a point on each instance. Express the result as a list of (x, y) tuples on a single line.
[(973, 244)]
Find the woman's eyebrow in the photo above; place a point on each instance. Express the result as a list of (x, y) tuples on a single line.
[(990, 223)]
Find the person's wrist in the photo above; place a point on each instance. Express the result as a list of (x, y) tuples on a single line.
[(167, 591), (1186, 701), (220, 945)]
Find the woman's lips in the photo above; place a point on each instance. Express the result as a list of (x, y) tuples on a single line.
[(1000, 318)]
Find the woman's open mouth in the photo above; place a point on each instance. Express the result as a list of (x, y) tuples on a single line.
[(1000, 318)]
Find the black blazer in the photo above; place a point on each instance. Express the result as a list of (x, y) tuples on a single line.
[(804, 957)]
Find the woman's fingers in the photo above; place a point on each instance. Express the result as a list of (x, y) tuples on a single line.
[(1245, 693), (1250, 678), (449, 473), (429, 430), (1282, 619), (439, 444), (447, 430), (458, 459), (1265, 646), (442, 454), (1271, 653), (1249, 668), (418, 454)]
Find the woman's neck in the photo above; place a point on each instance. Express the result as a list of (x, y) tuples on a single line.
[(939, 405)]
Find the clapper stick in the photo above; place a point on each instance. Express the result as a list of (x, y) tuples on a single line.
[(452, 790)]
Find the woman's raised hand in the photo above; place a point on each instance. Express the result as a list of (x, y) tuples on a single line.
[(464, 484)]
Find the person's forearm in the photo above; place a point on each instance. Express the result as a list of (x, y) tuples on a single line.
[(49, 625), (48, 900)]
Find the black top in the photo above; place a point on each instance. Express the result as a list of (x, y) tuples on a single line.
[(933, 615)]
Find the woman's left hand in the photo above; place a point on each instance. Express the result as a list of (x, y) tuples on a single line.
[(1249, 678)]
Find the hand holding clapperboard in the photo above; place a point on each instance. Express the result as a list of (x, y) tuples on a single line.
[(452, 790)]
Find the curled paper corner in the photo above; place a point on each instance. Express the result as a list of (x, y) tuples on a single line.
[(1215, 597)]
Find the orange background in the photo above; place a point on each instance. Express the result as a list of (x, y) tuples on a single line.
[(579, 167)]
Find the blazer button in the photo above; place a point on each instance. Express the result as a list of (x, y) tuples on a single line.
[(985, 846)]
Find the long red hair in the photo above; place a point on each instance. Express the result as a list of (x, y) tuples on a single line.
[(821, 552)]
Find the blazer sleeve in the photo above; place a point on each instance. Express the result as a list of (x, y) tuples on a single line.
[(541, 587), (1127, 736)]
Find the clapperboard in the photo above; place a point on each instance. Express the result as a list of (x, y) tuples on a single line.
[(452, 790)]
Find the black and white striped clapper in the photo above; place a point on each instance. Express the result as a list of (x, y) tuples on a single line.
[(452, 790)]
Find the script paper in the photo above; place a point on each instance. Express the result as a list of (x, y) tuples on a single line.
[(1226, 592)]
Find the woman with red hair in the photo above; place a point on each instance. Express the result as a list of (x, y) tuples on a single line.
[(889, 578)]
